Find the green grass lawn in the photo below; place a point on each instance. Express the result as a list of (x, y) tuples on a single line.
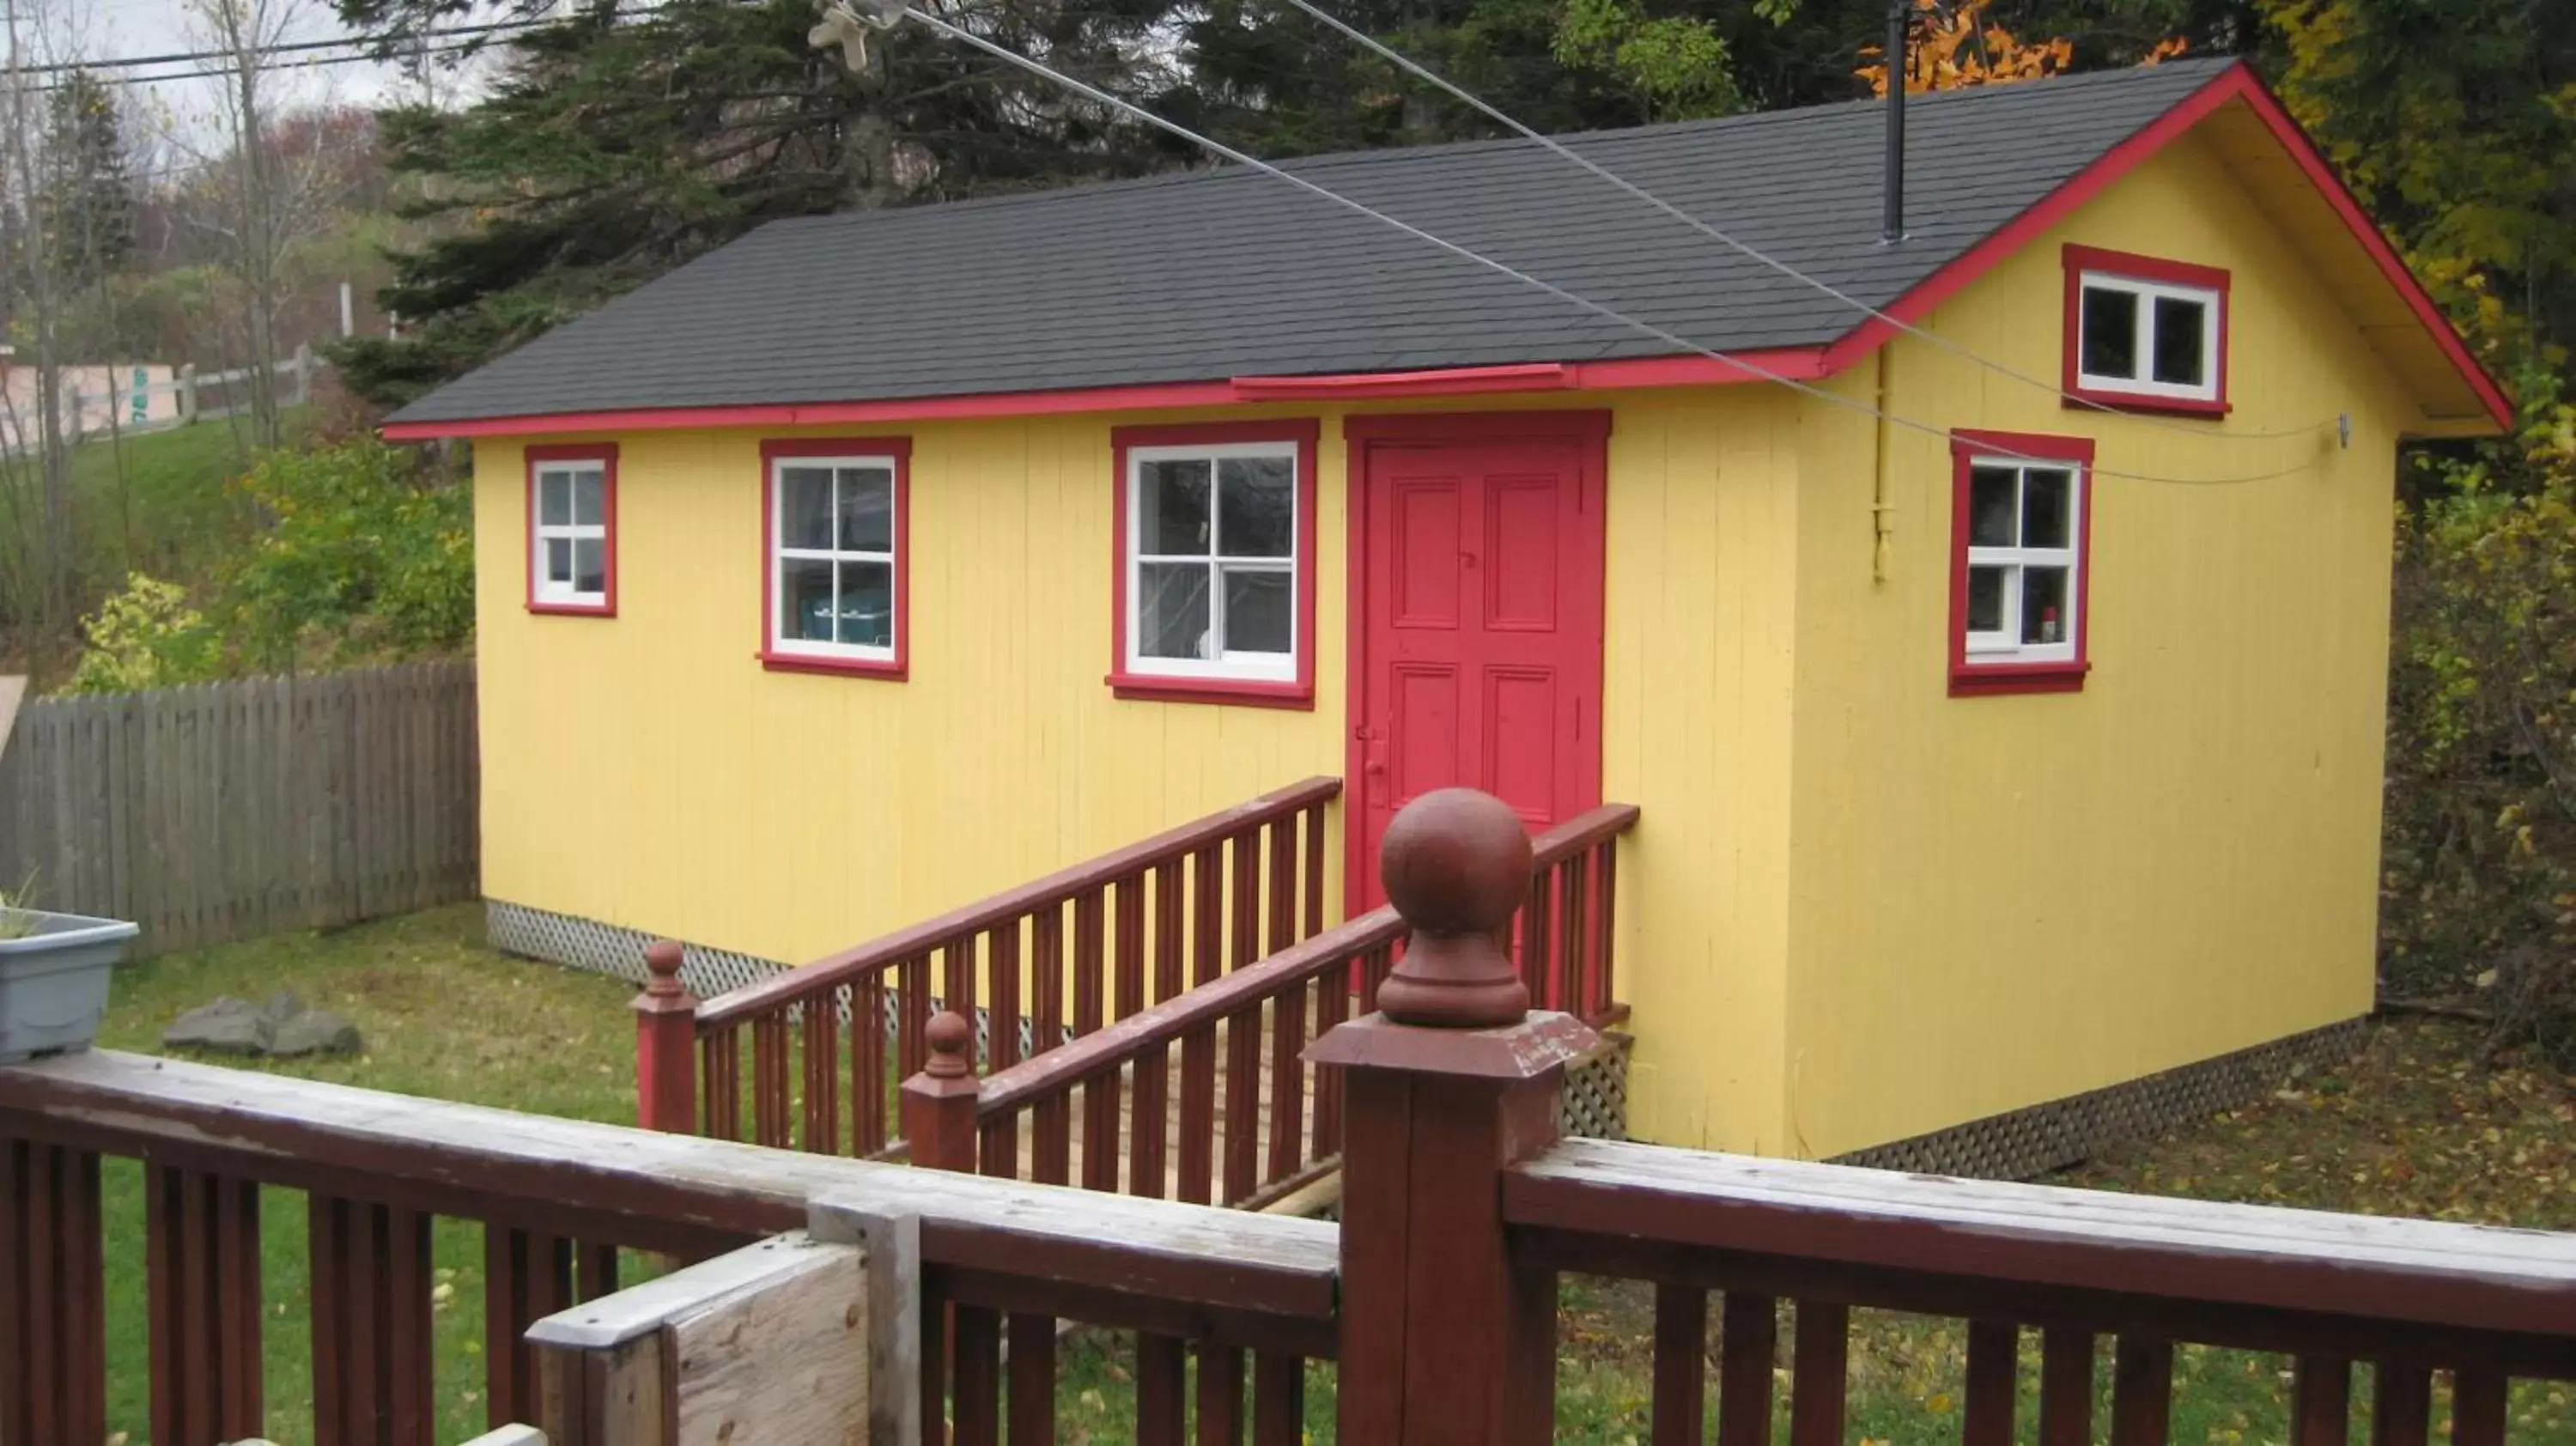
[(2414, 1126), (442, 1016), (159, 502)]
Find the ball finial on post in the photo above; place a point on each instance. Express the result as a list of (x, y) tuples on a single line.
[(662, 960), (950, 1039), (666, 1043), (1456, 864)]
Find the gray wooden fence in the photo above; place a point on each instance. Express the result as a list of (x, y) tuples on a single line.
[(230, 810)]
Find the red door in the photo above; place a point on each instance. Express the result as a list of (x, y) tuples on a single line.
[(1477, 635)]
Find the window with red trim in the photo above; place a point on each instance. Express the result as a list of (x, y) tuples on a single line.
[(572, 529), (834, 539), (2143, 333), (2021, 533), (1214, 589)]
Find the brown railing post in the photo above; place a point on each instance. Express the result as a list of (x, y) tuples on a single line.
[(1443, 1338), (666, 1045), (53, 1311), (939, 1104)]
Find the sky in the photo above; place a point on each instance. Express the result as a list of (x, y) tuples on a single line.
[(119, 29)]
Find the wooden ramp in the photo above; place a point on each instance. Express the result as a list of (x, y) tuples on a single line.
[(1170, 1130)]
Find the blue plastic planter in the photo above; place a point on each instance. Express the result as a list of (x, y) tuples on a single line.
[(53, 982)]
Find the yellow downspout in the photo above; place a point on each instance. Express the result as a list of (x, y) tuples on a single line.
[(1882, 505)]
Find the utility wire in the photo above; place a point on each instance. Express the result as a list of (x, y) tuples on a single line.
[(176, 57), (1741, 364), (1495, 113)]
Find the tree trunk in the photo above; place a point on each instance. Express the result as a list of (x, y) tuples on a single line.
[(868, 137)]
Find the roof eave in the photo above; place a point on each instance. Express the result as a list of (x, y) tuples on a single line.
[(1773, 364)]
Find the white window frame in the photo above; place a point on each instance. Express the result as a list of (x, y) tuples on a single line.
[(2213, 303), (569, 593), (1231, 666), (781, 638), (2005, 646)]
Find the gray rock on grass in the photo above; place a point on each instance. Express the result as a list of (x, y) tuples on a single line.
[(283, 1027), (227, 1026), (315, 1031)]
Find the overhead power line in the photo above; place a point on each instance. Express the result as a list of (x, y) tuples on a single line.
[(1742, 364), (179, 57)]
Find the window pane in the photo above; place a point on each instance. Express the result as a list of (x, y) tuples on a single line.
[(2043, 605), (805, 599), (1172, 610), (589, 497), (558, 559), (590, 565), (2044, 508), (867, 604), (1257, 611), (2110, 332), (1990, 506), (1986, 599), (1172, 509), (2180, 333), (805, 508), (1257, 507), (554, 499), (867, 509)]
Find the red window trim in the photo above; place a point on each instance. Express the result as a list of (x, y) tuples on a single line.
[(1298, 693), (772, 449), (2080, 259), (605, 454), (1981, 679)]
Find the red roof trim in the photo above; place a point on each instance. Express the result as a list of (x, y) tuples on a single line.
[(2236, 82), (1797, 363)]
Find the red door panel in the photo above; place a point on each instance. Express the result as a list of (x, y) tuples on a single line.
[(1477, 634)]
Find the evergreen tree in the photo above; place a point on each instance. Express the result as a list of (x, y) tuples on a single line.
[(89, 203), (615, 148)]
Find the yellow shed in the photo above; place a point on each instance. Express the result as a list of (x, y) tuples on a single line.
[(1989, 621)]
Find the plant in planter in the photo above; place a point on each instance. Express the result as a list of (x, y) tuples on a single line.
[(53, 977)]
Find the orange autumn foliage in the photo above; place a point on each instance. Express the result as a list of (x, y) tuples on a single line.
[(1955, 47)]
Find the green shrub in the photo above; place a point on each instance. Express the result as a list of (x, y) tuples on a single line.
[(2479, 850), (147, 636), (364, 556)]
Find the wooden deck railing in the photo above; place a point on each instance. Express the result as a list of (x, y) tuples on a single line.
[(1248, 1121), (1563, 935), (2323, 1291), (1436, 1295), (1062, 957), (556, 1198)]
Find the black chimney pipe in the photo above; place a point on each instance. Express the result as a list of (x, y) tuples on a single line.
[(1899, 25)]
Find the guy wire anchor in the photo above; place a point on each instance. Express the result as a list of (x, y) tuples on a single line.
[(846, 23)]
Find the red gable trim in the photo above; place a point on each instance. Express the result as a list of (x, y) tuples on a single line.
[(2236, 82), (1796, 363)]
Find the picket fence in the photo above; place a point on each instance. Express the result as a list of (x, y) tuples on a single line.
[(227, 811)]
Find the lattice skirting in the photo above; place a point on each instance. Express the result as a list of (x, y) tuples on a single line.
[(2033, 1141), (1595, 1103)]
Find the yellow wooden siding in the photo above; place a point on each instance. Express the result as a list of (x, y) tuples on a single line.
[(2002, 900), (645, 770)]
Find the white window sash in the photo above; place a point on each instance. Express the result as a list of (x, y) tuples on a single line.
[(540, 532), (2004, 646), (2144, 383), (781, 639), (1229, 664)]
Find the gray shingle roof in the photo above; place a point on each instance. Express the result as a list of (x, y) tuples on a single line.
[(1228, 272)]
